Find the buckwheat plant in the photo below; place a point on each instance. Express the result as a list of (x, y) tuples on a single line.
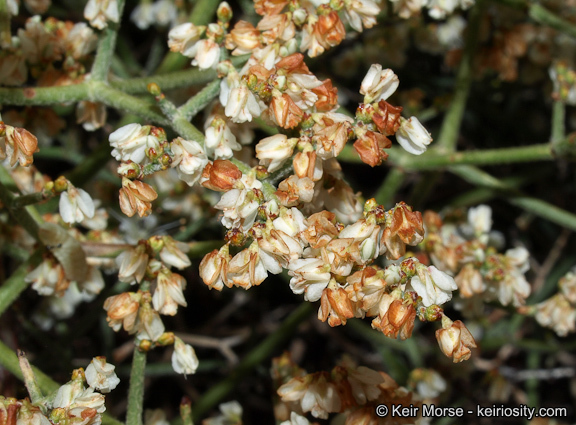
[(161, 158)]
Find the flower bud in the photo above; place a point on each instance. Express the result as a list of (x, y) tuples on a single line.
[(220, 175)]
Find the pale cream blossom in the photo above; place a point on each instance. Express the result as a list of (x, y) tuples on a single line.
[(169, 293), (433, 285), (183, 38), (132, 142), (361, 13), (310, 277), (273, 151), (240, 207), (220, 142), (75, 205), (100, 375), (378, 84), (184, 360), (231, 414), (99, 12), (189, 159), (412, 136)]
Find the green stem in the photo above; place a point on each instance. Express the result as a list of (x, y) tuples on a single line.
[(5, 33), (200, 249), (558, 133), (29, 379), (106, 47), (536, 206), (186, 412), (199, 101), (451, 125), (432, 159), (543, 16), (15, 285), (44, 95), (30, 199), (255, 357), (9, 360), (136, 390), (115, 98), (27, 217), (173, 80), (385, 193)]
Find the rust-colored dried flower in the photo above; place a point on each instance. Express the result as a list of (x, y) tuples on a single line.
[(387, 118), (136, 197), (370, 146), (405, 228), (455, 340), (398, 319), (285, 112), (220, 175), (335, 306)]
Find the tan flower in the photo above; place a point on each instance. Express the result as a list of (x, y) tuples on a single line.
[(92, 115), (243, 38), (335, 306), (397, 319), (285, 112), (214, 268), (371, 146), (136, 197), (220, 175), (387, 118), (455, 340), (405, 228), (122, 310), (18, 144)]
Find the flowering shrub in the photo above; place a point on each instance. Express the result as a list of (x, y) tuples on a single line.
[(155, 151)]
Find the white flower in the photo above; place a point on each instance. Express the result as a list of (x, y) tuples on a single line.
[(131, 142), (273, 151), (412, 136), (207, 54), (296, 419), (433, 285), (231, 414), (143, 15), (311, 276), (75, 205), (165, 12), (168, 294), (99, 12), (239, 207), (429, 383), (241, 105), (378, 84), (183, 38), (173, 253), (220, 141), (189, 158), (184, 358), (101, 376), (361, 13), (480, 218)]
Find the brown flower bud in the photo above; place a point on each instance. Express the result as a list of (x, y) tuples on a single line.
[(220, 175), (370, 146), (335, 306), (455, 340), (398, 319), (136, 196), (387, 118)]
